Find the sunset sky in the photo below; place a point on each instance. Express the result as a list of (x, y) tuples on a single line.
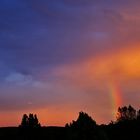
[(59, 57)]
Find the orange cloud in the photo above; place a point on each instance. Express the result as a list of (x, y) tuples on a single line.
[(123, 64), (86, 86), (95, 74)]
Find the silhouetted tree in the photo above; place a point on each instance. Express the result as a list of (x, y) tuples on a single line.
[(24, 122), (83, 121), (36, 122), (131, 113), (30, 122), (85, 128), (138, 115), (126, 113)]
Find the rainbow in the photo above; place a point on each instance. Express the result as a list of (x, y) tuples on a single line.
[(115, 97)]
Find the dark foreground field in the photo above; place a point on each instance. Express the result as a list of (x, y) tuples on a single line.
[(124, 131), (49, 133), (16, 133)]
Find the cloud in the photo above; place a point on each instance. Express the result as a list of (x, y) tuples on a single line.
[(61, 52), (84, 84), (94, 76), (123, 65), (39, 34), (19, 79)]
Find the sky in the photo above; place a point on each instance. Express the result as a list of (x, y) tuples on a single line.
[(60, 57)]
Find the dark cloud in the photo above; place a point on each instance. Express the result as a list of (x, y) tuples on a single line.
[(37, 34)]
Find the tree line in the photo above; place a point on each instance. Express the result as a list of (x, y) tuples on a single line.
[(125, 113), (125, 127)]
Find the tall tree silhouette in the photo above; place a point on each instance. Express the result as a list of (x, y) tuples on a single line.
[(24, 122), (31, 120)]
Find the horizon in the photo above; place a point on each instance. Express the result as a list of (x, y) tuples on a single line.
[(56, 124), (61, 57)]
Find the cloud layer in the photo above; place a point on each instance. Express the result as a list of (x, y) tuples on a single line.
[(59, 53)]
